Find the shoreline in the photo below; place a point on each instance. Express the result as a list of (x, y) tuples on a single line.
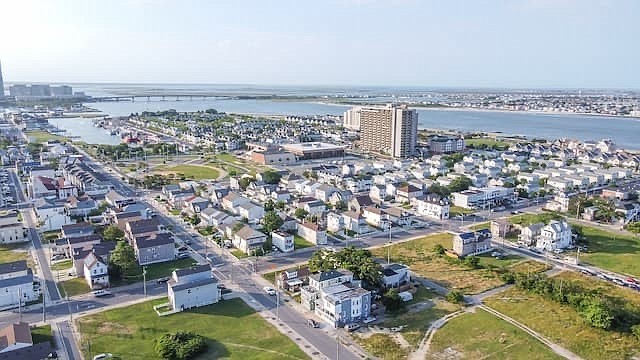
[(529, 112)]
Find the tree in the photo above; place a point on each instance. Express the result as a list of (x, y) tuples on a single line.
[(436, 188), (635, 330), (180, 346), (460, 183), (280, 205), (455, 297), (438, 249), (269, 205), (244, 183), (271, 177), (634, 227), (322, 260), (472, 261), (271, 221), (301, 213), (392, 301), (124, 258), (597, 313), (113, 233)]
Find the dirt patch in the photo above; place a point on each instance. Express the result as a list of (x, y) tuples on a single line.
[(111, 327), (447, 354)]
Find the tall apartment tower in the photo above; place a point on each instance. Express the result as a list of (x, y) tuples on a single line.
[(351, 118), (391, 129), (1, 82)]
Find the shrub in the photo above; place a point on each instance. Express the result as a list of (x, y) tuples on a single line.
[(392, 301), (180, 346), (455, 297)]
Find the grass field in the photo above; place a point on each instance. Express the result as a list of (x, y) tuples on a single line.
[(195, 172), (419, 256), (155, 271), (73, 287), (562, 324), (62, 265), (51, 236), (481, 335), (528, 219), (416, 323), (13, 252), (611, 251), (239, 253), (43, 136), (300, 243), (457, 210), (484, 225), (479, 142), (42, 334), (233, 331), (382, 346)]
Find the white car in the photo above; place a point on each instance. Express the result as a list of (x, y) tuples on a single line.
[(101, 293), (269, 290), (103, 356)]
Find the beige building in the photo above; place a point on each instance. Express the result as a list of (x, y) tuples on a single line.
[(351, 118), (390, 129)]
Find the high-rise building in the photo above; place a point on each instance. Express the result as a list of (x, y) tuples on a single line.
[(1, 83), (390, 129), (351, 118)]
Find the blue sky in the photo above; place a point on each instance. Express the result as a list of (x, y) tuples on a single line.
[(473, 43)]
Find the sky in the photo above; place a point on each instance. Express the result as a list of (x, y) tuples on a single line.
[(452, 43)]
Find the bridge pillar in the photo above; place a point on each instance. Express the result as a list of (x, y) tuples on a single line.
[(177, 98), (148, 98), (163, 98)]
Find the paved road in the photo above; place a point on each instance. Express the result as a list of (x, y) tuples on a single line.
[(29, 217)]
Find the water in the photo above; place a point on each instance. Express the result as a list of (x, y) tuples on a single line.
[(623, 131), (84, 129)]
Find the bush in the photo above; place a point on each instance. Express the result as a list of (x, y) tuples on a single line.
[(438, 249), (392, 301), (472, 261), (180, 346), (455, 297), (635, 330)]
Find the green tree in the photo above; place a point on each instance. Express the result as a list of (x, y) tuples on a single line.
[(244, 183), (269, 205), (322, 260), (280, 205), (113, 233), (124, 258), (597, 313), (301, 213), (460, 183), (436, 188), (455, 297), (180, 346), (271, 221), (392, 301), (438, 249), (635, 330), (634, 227), (472, 261), (271, 177)]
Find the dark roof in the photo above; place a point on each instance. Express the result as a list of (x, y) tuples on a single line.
[(144, 225), (20, 265), (35, 352), (191, 284), (78, 239), (328, 275), (193, 270), (79, 227), (154, 240), (17, 280)]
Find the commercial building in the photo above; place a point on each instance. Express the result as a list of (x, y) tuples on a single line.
[(439, 144), (481, 198), (273, 157), (351, 119), (314, 150), (390, 129)]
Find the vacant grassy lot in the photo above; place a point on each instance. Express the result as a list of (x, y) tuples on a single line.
[(195, 172), (43, 136), (383, 346), (239, 253), (300, 243), (51, 236), (233, 331), (416, 323), (481, 335), (62, 265), (457, 210), (73, 287), (611, 251), (155, 271), (42, 334), (488, 142), (562, 324), (13, 252), (419, 256), (484, 225), (528, 219)]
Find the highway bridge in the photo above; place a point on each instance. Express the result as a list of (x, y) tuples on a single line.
[(158, 97)]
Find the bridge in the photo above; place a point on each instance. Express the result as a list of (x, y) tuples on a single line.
[(158, 97)]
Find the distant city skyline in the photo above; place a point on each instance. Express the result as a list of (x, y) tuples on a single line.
[(525, 44)]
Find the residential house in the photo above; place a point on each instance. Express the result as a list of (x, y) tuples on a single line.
[(154, 248), (248, 239), (433, 206), (117, 200), (141, 227), (51, 214), (213, 217), (375, 217), (359, 202), (354, 222), (65, 246), (12, 229), (193, 287), (283, 241), (16, 343), (335, 223), (232, 202), (80, 205), (472, 243), (555, 235), (77, 230), (398, 216), (251, 212), (195, 204), (292, 280), (324, 192), (395, 275), (529, 234), (313, 233), (16, 282), (96, 272)]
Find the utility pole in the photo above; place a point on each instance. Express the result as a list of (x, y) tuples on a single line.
[(44, 305), (20, 302), (337, 345), (144, 280), (277, 301)]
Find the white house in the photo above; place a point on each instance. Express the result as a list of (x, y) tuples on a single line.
[(232, 201), (247, 239), (395, 275), (282, 240), (555, 235), (11, 229), (193, 287), (375, 217), (251, 211), (312, 233), (95, 272), (16, 284), (433, 206)]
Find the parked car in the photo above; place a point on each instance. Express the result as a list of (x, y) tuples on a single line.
[(101, 293), (184, 255), (369, 320), (269, 290), (352, 327), (163, 280), (312, 323)]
